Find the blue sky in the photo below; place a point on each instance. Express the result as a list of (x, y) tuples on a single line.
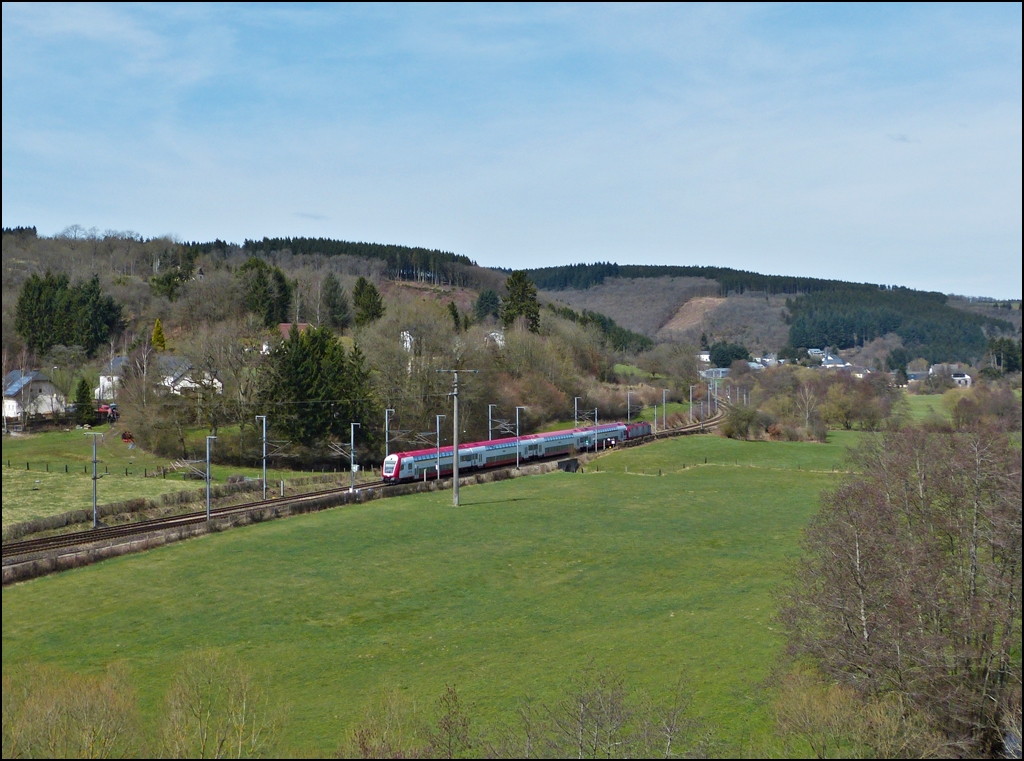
[(868, 143)]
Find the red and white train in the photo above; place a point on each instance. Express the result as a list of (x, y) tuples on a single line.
[(422, 464)]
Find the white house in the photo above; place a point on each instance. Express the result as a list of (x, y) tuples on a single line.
[(832, 362), (962, 380), (496, 337), (31, 393), (110, 380), (176, 376)]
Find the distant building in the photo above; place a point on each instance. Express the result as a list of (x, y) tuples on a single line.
[(286, 328), (496, 337), (832, 362), (177, 376), (31, 393), (705, 357), (947, 368), (173, 373), (815, 352), (110, 379), (961, 380)]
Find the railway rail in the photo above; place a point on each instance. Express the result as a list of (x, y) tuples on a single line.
[(16, 551)]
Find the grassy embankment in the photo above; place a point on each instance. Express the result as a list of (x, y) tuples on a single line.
[(44, 488), (506, 597)]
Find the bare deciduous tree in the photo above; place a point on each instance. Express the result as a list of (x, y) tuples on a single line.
[(911, 581), (50, 713), (217, 709)]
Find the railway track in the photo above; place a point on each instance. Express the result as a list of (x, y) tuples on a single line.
[(14, 551), (105, 533)]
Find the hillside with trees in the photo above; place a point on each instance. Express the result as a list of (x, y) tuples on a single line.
[(773, 313), (214, 311), (309, 332)]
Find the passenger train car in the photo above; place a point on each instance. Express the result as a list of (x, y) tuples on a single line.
[(431, 463)]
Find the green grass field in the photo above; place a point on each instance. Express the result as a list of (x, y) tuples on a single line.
[(924, 406), (631, 371), (44, 488), (505, 597)]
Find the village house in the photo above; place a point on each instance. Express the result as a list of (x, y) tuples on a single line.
[(31, 393), (172, 373)]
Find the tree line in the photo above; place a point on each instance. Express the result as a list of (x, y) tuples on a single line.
[(403, 262), (928, 326), (582, 276), (51, 311)]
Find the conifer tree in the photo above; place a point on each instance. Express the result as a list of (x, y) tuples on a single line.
[(368, 302), (84, 412), (487, 304), (157, 340), (320, 389), (521, 301), (50, 311), (454, 312), (267, 291), (336, 301)]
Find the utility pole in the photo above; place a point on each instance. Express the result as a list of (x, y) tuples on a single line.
[(95, 477), (576, 411), (439, 419), (489, 408), (387, 436), (628, 408), (664, 410), (352, 454), (595, 429), (517, 435), (208, 440), (264, 419), (455, 435), (691, 404)]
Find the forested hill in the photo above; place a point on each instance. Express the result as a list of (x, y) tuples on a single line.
[(823, 313), (928, 326), (403, 262), (582, 276)]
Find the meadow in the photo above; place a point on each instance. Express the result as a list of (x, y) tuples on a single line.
[(925, 406), (51, 472), (505, 597)]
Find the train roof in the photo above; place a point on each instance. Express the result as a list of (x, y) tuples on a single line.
[(447, 449)]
